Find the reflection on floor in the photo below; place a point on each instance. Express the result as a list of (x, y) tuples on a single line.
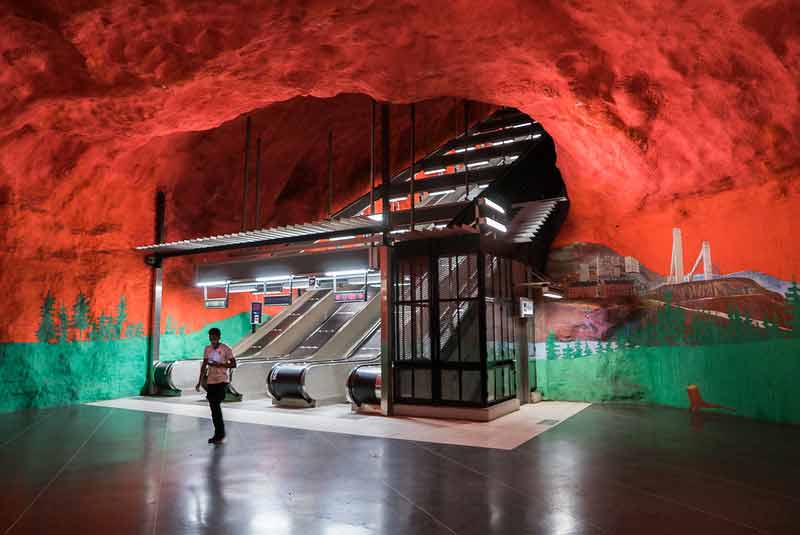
[(505, 433), (610, 469)]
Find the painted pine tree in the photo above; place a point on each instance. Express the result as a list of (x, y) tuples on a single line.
[(105, 327), (138, 330), (793, 298), (550, 346), (47, 329), (122, 317), (80, 315), (169, 328), (772, 327), (63, 324)]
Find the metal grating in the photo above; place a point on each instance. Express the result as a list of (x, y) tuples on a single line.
[(530, 218)]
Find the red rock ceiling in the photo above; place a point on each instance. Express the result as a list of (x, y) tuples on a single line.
[(664, 114)]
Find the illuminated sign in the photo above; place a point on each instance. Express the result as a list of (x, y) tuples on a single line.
[(525, 307)]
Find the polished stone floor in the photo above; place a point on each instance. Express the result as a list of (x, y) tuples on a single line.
[(507, 433), (606, 470)]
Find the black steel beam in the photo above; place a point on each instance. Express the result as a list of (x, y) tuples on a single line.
[(386, 178), (246, 171)]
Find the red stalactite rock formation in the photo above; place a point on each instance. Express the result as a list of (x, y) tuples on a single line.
[(664, 114)]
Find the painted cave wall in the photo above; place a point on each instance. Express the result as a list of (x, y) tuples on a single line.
[(79, 332), (665, 115), (626, 332)]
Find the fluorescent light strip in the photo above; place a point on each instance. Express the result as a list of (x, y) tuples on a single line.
[(398, 199), (552, 295), (346, 273), (212, 283), (520, 125), (399, 231), (434, 171), (478, 164), (496, 225), (338, 238), (491, 204), (536, 136), (445, 192), (274, 279), (376, 217), (483, 186)]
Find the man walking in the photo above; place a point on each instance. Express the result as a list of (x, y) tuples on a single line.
[(217, 360)]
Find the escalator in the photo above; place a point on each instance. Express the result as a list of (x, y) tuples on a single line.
[(331, 336), (290, 319), (172, 377), (311, 384)]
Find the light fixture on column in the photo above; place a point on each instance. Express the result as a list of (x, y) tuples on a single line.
[(552, 292)]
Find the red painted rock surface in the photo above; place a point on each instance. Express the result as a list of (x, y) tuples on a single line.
[(664, 114)]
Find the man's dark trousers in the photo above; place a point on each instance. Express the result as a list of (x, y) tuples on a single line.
[(215, 396)]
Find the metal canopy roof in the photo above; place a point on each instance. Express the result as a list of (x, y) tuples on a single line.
[(271, 236), (528, 218)]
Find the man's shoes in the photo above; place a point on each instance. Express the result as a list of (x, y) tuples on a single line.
[(216, 440)]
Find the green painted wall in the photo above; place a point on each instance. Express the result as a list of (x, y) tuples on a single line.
[(758, 379), (47, 375), (90, 359), (750, 365), (176, 346)]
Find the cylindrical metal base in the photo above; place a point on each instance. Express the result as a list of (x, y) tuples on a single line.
[(364, 385), (287, 381), (162, 375)]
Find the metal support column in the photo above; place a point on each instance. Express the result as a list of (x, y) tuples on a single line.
[(466, 165), (484, 358), (246, 171), (387, 273), (330, 173), (373, 252), (385, 178), (412, 158), (257, 222), (155, 327), (372, 159), (523, 379), (157, 280), (387, 330)]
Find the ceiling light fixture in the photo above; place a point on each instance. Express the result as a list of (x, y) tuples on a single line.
[(493, 205), (445, 192), (496, 225)]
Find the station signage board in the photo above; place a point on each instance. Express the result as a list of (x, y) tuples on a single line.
[(525, 307), (256, 308), (350, 296)]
